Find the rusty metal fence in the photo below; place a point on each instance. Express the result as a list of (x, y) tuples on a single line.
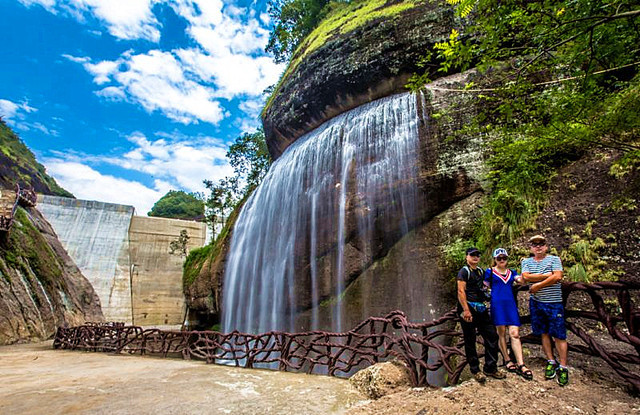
[(423, 347)]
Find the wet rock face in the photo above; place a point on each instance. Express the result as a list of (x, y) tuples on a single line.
[(203, 296), (399, 270), (40, 286), (372, 61)]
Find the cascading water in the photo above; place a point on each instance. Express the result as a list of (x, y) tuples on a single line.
[(352, 180)]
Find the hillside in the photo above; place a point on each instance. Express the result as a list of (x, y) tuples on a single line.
[(19, 165)]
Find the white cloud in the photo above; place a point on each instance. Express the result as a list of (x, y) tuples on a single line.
[(112, 93), (11, 112), (76, 59), (252, 108), (233, 74), (101, 70), (180, 164), (184, 163), (124, 19), (26, 126), (184, 84), (47, 4), (157, 81), (16, 115), (86, 183), (225, 33)]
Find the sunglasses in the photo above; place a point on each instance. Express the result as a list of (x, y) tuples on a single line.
[(538, 244), (501, 258), (475, 254)]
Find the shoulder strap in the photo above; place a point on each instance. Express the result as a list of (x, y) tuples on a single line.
[(466, 267)]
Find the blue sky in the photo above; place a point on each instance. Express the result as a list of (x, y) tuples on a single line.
[(124, 100)]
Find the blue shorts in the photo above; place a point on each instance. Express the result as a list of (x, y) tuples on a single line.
[(547, 318)]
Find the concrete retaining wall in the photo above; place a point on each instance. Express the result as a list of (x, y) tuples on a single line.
[(157, 273), (125, 257), (96, 236)]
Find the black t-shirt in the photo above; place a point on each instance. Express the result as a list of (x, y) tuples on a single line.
[(475, 281)]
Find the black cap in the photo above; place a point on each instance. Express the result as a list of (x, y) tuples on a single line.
[(472, 251)]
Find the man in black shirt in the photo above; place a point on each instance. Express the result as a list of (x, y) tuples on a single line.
[(475, 316)]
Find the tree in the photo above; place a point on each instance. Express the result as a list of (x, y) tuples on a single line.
[(580, 36), (179, 245), (293, 21), (179, 205), (250, 160)]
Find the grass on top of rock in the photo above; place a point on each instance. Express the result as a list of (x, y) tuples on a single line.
[(199, 256), (343, 18), (19, 165)]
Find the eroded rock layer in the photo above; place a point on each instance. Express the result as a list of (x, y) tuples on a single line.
[(40, 287)]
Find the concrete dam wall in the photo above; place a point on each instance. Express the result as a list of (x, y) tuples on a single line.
[(126, 258)]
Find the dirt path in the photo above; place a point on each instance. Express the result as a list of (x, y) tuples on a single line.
[(35, 379)]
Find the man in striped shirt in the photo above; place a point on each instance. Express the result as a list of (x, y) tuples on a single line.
[(544, 272)]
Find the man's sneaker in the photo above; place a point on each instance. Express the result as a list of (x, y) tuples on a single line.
[(498, 374), (480, 377), (563, 376), (550, 370)]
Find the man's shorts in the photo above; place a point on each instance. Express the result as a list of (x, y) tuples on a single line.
[(547, 318)]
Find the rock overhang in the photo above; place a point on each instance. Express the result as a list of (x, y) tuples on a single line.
[(350, 68)]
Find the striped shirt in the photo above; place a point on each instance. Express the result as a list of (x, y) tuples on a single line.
[(551, 293)]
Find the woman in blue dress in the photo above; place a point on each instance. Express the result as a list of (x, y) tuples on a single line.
[(504, 310)]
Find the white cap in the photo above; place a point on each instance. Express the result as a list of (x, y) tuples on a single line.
[(500, 251)]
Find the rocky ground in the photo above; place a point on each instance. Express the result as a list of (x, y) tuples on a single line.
[(593, 389)]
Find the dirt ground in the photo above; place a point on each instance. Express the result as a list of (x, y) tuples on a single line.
[(35, 379), (593, 389)]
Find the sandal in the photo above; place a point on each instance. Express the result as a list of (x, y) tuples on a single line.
[(510, 366), (525, 372)]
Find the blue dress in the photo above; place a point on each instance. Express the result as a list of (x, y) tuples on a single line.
[(504, 310)]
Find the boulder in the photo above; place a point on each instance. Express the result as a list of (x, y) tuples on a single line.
[(382, 379)]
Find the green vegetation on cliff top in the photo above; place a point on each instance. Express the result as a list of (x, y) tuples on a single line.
[(342, 19), (207, 254), (19, 165)]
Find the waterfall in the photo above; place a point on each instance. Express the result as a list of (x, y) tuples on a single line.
[(349, 183)]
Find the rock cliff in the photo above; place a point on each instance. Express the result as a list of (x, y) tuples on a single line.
[(41, 287), (346, 70), (365, 53)]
